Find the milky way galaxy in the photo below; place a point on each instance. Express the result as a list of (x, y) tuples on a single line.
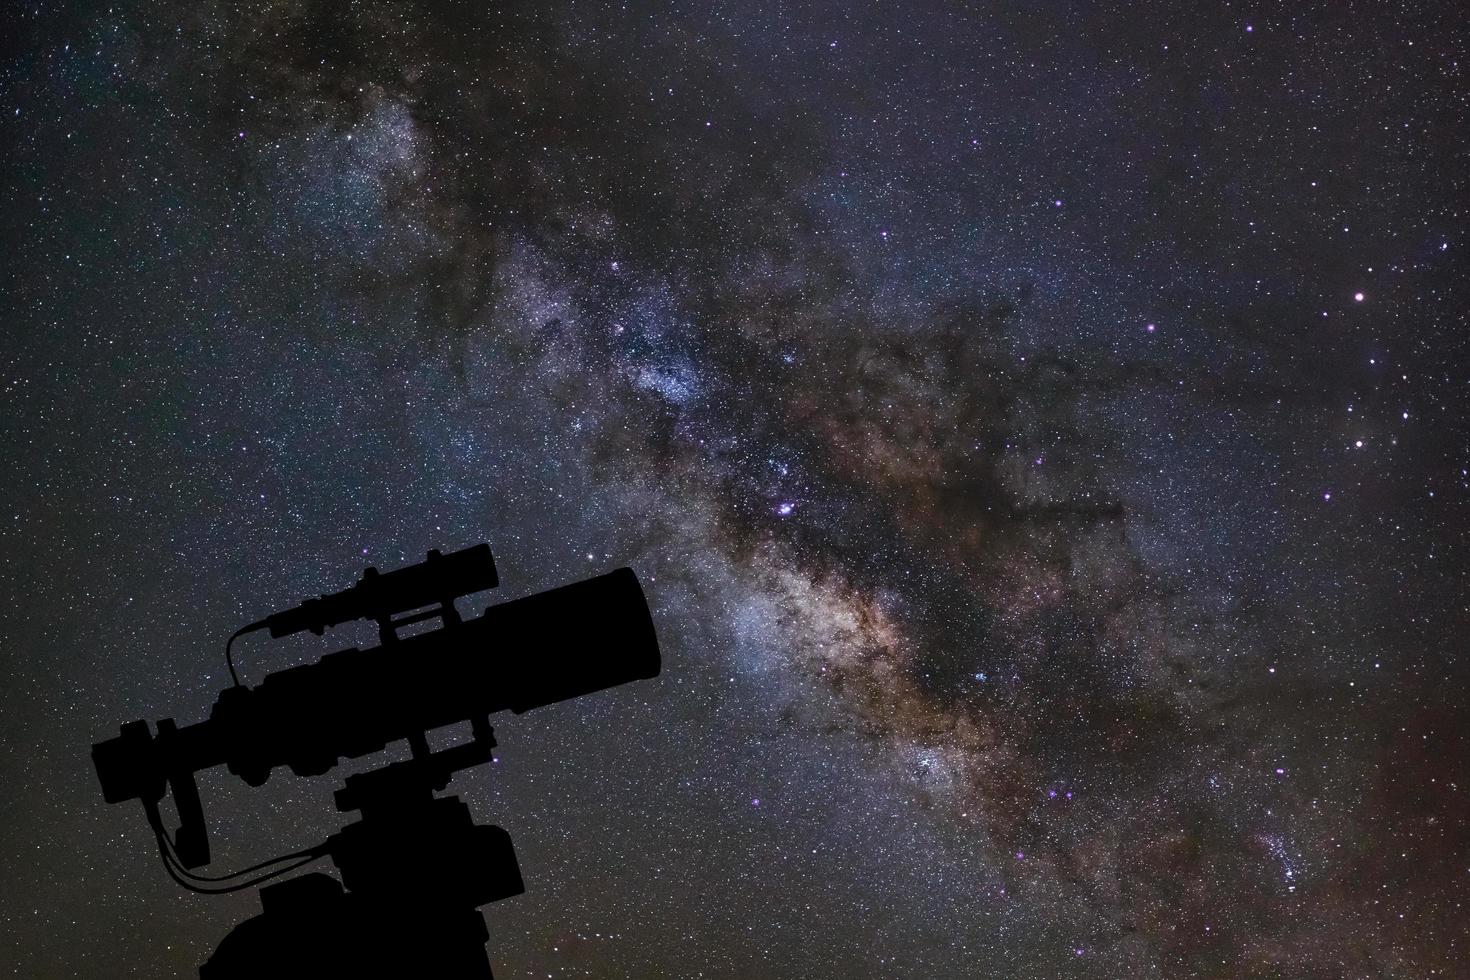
[(1041, 432)]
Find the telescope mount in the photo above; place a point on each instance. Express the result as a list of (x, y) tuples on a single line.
[(414, 871)]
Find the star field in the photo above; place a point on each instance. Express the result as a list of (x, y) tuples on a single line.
[(1041, 430)]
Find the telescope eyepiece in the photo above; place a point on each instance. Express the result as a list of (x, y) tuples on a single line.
[(127, 765)]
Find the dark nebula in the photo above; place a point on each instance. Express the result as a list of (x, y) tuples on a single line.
[(1041, 429)]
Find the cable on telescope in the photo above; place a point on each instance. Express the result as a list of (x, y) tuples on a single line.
[(229, 659), (179, 873), (183, 882), (309, 852)]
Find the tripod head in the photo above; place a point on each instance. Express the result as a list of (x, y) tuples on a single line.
[(415, 865)]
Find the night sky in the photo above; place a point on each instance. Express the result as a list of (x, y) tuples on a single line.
[(1041, 429)]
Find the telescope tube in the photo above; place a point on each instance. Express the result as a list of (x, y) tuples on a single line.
[(518, 655)]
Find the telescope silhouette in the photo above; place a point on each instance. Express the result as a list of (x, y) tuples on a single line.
[(414, 869)]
